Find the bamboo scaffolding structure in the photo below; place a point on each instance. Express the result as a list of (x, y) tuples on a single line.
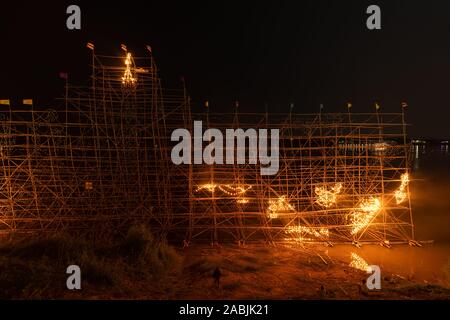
[(102, 161)]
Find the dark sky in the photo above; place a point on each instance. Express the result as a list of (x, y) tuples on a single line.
[(257, 52)]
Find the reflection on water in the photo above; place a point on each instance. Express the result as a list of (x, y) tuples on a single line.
[(426, 149), (359, 263), (430, 200), (427, 264), (444, 149)]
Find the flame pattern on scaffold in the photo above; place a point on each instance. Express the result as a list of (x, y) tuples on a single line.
[(365, 213), (301, 231), (277, 206), (400, 193), (326, 197)]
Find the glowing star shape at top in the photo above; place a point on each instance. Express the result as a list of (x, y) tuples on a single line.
[(327, 198), (128, 78)]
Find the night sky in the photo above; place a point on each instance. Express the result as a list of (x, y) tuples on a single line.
[(260, 53)]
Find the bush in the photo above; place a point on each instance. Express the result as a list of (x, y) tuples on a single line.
[(97, 270), (59, 247), (147, 256), (22, 279), (203, 265), (137, 240), (35, 267)]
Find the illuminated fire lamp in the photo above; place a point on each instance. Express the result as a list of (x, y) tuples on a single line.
[(88, 185), (359, 263), (234, 190), (208, 186), (380, 146), (327, 198), (228, 189), (401, 194), (277, 206), (302, 231), (365, 213), (128, 79)]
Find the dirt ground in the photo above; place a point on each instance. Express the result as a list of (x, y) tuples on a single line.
[(261, 272)]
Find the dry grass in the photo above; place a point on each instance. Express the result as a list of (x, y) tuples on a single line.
[(423, 291), (36, 268), (140, 267)]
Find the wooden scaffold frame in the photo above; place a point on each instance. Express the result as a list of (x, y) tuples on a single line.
[(102, 160)]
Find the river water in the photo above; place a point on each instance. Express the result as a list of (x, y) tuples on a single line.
[(430, 198)]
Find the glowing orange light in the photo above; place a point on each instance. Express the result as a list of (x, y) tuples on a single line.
[(400, 194), (365, 213), (128, 78), (380, 146), (277, 206), (317, 232), (208, 186), (303, 233), (228, 189), (359, 263), (326, 197)]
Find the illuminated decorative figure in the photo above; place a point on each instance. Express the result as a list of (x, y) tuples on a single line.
[(228, 189), (302, 231), (400, 193), (365, 213), (277, 206), (128, 78), (326, 197)]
